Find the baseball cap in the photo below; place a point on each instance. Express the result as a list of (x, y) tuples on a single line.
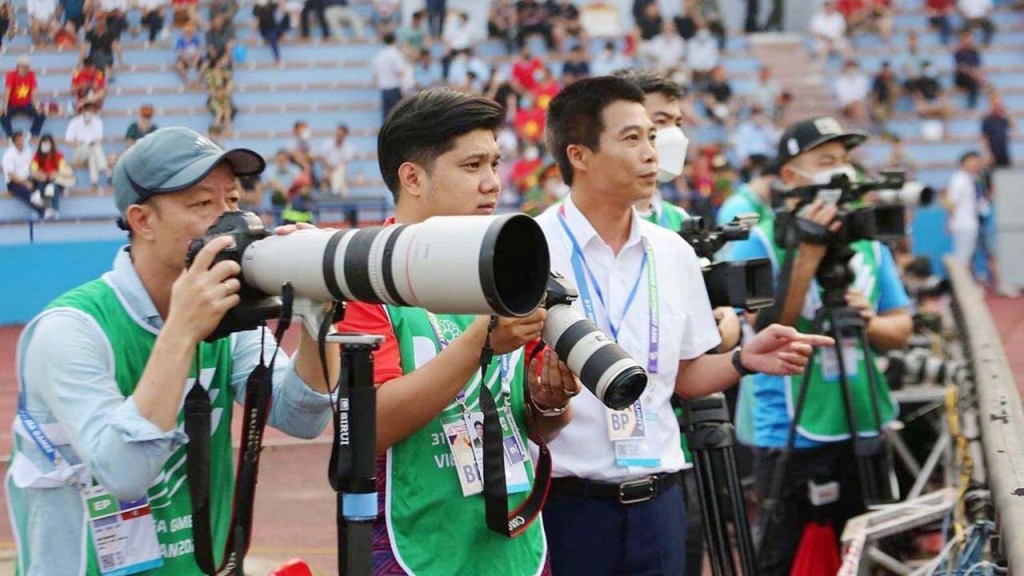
[(813, 132), (173, 159)]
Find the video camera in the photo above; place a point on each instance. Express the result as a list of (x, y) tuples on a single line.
[(884, 221), (746, 284), (446, 264)]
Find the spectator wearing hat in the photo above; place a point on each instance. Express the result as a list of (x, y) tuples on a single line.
[(21, 97), (143, 126), (85, 134)]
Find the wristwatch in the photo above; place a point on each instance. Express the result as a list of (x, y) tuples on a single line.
[(548, 412), (737, 363)]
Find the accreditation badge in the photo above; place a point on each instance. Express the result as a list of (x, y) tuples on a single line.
[(627, 429), (123, 533), (830, 360)]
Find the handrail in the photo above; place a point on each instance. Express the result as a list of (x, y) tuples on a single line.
[(1000, 411)]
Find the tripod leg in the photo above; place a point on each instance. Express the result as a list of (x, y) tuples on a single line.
[(714, 532), (748, 558), (892, 492)]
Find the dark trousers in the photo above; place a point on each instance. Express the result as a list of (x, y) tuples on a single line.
[(436, 10), (154, 22), (388, 98), (315, 8), (987, 28), (24, 193), (273, 37), (37, 119), (970, 85), (943, 25), (780, 539), (601, 537)]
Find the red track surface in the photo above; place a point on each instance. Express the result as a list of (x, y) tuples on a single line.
[(295, 506)]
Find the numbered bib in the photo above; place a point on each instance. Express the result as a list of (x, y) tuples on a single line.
[(123, 533)]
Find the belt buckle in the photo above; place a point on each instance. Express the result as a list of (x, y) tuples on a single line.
[(644, 486)]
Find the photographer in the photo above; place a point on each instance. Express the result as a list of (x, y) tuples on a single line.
[(616, 506), (439, 156), (812, 152), (103, 372)]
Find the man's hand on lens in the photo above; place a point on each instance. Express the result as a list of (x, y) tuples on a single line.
[(820, 215), (555, 385), (728, 327), (203, 294), (855, 299), (289, 228), (781, 350), (512, 333)]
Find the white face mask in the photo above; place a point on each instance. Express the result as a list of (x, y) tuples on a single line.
[(825, 176), (531, 154), (45, 148), (88, 116), (671, 144), (305, 133)]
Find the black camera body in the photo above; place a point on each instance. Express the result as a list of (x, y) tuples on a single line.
[(746, 284), (255, 307)]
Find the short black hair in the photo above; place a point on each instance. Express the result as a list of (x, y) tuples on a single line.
[(575, 115), (968, 155), (650, 82), (424, 126)]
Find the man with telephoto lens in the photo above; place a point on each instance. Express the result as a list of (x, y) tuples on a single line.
[(97, 482), (811, 152), (616, 505), (439, 156)]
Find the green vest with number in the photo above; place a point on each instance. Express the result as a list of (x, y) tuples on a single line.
[(824, 416), (434, 529), (169, 498)]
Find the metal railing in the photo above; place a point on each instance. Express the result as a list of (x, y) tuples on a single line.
[(1000, 411)]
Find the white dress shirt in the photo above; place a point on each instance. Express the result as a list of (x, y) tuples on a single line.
[(972, 9), (963, 196), (81, 132), (686, 330), (18, 163), (852, 87), (830, 25), (389, 67)]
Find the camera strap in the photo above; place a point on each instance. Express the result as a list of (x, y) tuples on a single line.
[(499, 519), (258, 395)]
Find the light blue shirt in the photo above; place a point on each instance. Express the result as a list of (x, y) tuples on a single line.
[(765, 404), (66, 372)]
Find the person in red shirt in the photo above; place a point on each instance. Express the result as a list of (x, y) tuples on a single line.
[(89, 84), (529, 120), (525, 69), (438, 156), (21, 98), (546, 89), (939, 12), (51, 174)]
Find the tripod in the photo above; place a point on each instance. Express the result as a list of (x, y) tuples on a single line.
[(712, 437), (353, 467), (844, 324)]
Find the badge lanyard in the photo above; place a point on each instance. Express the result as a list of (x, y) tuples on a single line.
[(581, 270)]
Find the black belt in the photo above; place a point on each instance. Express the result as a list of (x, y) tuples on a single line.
[(628, 492)]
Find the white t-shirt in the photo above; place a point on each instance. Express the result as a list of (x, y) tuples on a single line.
[(702, 54), (974, 8), (666, 51), (334, 155), (852, 88), (41, 9), (18, 164), (962, 194), (111, 5), (830, 25), (685, 330), (389, 67), (80, 132)]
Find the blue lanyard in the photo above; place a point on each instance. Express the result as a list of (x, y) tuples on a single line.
[(579, 266), (37, 434)]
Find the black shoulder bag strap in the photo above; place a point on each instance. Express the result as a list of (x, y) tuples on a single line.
[(499, 518)]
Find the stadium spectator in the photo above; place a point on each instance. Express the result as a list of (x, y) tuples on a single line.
[(868, 15), (546, 89), (334, 157), (899, 158), (939, 12), (609, 60), (85, 135), (300, 149), (142, 126), (220, 101), (21, 97), (151, 17), (829, 30), (88, 84), (996, 131), (885, 90), (281, 177), (766, 92), (929, 96), (414, 36), (270, 25), (524, 169), (910, 63), (529, 120), (701, 55), (185, 11), (501, 23), (42, 21), (386, 16), (968, 74), (852, 89), (426, 73), (532, 19), (666, 52), (458, 32), (102, 47), (436, 11), (51, 174), (718, 97), (525, 69), (977, 14), (565, 24), (311, 8), (188, 52), (70, 11), (389, 72), (648, 19), (17, 166), (576, 67), (339, 14), (6, 17), (220, 37), (467, 64), (116, 15), (755, 138), (66, 37)]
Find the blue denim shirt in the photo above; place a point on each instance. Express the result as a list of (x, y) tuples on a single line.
[(66, 374)]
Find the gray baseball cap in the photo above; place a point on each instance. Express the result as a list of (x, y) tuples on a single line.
[(173, 159)]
